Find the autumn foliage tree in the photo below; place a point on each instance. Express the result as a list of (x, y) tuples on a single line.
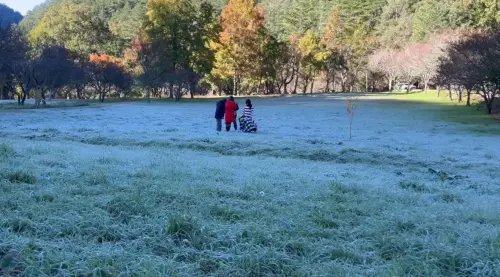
[(239, 48), (332, 42), (107, 73)]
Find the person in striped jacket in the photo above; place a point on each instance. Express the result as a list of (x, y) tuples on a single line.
[(247, 124)]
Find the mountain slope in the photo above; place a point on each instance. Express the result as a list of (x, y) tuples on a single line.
[(8, 16)]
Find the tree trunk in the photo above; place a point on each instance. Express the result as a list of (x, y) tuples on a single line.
[(235, 86), (327, 86), (450, 96), (78, 92), (38, 97), (468, 97), (460, 93), (296, 84), (312, 87), (24, 95), (171, 90), (306, 84), (191, 90), (439, 91), (366, 82)]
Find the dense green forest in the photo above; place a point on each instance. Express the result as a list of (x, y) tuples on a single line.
[(178, 47), (8, 16), (392, 21)]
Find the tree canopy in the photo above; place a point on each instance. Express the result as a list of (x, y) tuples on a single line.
[(179, 47)]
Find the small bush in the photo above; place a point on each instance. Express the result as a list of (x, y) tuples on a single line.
[(20, 177)]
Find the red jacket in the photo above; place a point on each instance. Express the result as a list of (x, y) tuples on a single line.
[(230, 111)]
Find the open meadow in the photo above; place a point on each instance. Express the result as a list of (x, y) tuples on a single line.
[(138, 189)]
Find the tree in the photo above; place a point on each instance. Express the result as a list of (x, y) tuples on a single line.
[(53, 70), (8, 17), (332, 41), (237, 53), (474, 62), (107, 73), (312, 59), (384, 61), (73, 26), (430, 16), (185, 34)]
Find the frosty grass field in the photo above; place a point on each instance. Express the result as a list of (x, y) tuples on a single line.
[(137, 189)]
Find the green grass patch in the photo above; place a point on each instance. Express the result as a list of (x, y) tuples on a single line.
[(474, 118)]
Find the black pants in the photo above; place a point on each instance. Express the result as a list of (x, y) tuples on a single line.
[(235, 122), (219, 124)]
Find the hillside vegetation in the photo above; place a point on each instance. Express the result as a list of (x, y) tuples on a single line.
[(8, 16), (158, 48)]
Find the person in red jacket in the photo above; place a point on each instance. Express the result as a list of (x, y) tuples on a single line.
[(230, 113)]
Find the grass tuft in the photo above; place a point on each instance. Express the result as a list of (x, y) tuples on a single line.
[(126, 208), (225, 213), (185, 229), (413, 187), (19, 177), (96, 178), (6, 151), (449, 197), (296, 248), (337, 254), (18, 225)]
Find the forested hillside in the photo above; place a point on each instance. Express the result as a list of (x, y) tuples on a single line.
[(8, 16), (178, 47), (392, 21)]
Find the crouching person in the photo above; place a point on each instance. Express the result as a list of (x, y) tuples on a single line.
[(247, 124)]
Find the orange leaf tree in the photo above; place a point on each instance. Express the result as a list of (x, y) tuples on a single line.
[(107, 73), (238, 51)]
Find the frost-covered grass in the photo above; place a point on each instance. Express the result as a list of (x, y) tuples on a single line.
[(131, 189)]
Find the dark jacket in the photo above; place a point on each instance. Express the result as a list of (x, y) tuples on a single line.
[(220, 109)]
